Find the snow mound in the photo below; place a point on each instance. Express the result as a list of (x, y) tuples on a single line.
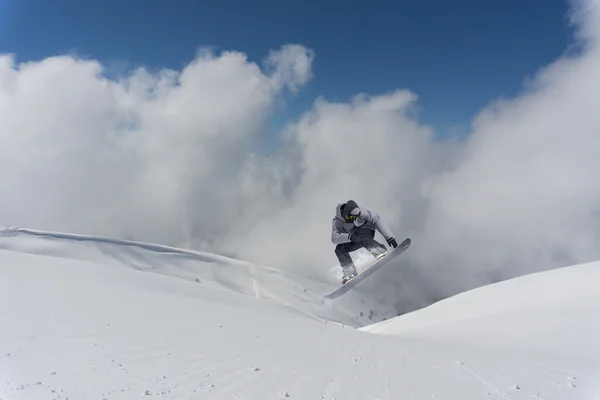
[(534, 312), (294, 292), (90, 318)]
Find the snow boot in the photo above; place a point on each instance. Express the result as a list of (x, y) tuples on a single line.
[(349, 273), (378, 251), (346, 278)]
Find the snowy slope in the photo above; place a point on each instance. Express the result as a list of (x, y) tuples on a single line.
[(299, 293), (87, 318)]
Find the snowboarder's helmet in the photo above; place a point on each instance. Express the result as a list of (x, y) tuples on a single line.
[(350, 210)]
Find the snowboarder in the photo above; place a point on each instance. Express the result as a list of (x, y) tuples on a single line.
[(353, 228)]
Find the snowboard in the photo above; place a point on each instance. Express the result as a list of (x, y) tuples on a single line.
[(378, 264)]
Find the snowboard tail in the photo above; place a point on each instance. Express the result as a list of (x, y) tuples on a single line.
[(363, 275)]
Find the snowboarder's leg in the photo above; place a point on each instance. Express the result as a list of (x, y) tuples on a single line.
[(342, 251), (377, 249)]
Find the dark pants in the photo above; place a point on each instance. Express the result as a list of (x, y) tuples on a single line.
[(343, 250)]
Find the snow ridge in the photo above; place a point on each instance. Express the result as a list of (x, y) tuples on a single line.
[(294, 292)]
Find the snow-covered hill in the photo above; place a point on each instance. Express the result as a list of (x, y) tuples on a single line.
[(298, 293), (92, 318)]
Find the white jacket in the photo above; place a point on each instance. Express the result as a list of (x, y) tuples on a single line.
[(340, 228)]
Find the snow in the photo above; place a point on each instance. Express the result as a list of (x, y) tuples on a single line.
[(93, 318)]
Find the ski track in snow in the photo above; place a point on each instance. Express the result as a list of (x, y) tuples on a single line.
[(82, 318)]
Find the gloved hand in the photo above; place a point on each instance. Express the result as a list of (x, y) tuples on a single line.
[(352, 236), (392, 242)]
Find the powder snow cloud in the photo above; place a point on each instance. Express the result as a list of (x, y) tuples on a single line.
[(167, 157)]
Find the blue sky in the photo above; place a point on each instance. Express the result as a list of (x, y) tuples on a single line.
[(455, 55)]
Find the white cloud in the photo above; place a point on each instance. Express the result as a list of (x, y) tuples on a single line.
[(165, 157), (291, 66), (151, 156)]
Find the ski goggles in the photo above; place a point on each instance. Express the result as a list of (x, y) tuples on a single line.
[(352, 217)]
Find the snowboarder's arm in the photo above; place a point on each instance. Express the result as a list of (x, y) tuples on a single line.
[(374, 218), (384, 230), (338, 236)]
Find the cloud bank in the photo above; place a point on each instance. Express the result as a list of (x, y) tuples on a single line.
[(167, 157)]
